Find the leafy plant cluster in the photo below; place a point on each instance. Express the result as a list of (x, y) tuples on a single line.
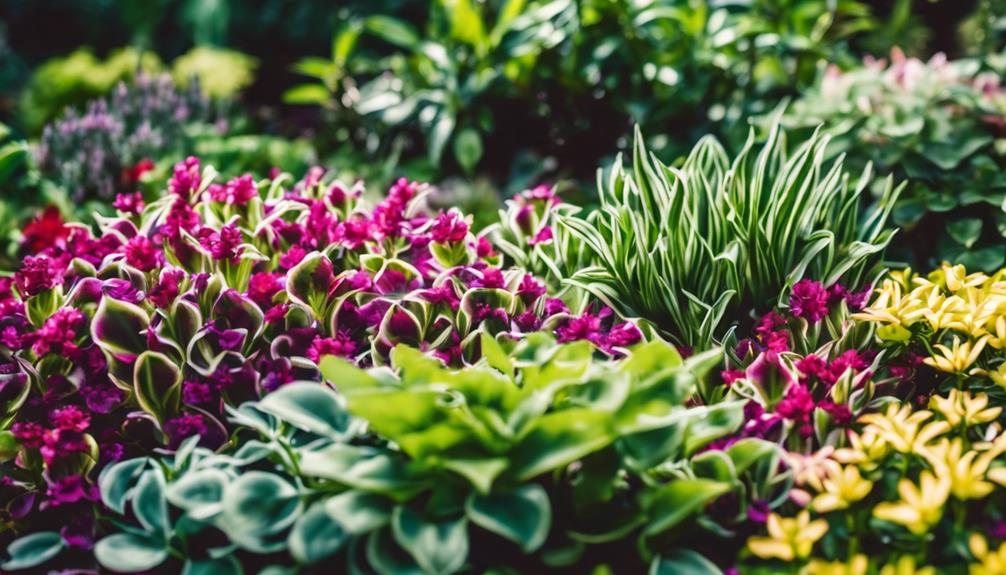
[(937, 125), (478, 475)]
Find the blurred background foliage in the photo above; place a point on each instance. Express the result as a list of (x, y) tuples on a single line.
[(482, 97)]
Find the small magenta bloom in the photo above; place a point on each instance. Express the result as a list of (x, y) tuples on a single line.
[(186, 178), (449, 228), (587, 326), (71, 489), (491, 278), (263, 286), (729, 376), (483, 248), (238, 191), (342, 346), (36, 275), (58, 333), (130, 204), (70, 418), (28, 434), (543, 236), (142, 254), (621, 335), (166, 291), (222, 245), (809, 300), (530, 289), (182, 427)]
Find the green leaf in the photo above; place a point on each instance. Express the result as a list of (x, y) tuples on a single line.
[(439, 134), (199, 492), (315, 536), (359, 512), (259, 504), (523, 516), (129, 553), (120, 327), (361, 467), (468, 149), (157, 383), (495, 356), (392, 30), (308, 406), (670, 504), (437, 547), (965, 231), (558, 439), (228, 565), (33, 550), (310, 94), (150, 505), (683, 562), (345, 376), (117, 479)]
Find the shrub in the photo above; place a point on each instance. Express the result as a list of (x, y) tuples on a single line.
[(104, 150), (691, 249), (936, 124)]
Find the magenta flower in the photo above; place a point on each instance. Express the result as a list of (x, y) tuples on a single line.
[(184, 426), (449, 228), (222, 245), (71, 489), (70, 418), (36, 275), (238, 191), (59, 332), (263, 286), (129, 204), (186, 178), (142, 254), (809, 300), (342, 346)]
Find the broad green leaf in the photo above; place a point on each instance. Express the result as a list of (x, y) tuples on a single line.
[(308, 406), (259, 504), (119, 327), (683, 562), (223, 566), (558, 439), (129, 553), (315, 536), (359, 512), (157, 383), (670, 504), (468, 149), (33, 550), (523, 516), (392, 30), (149, 504), (116, 481), (437, 547)]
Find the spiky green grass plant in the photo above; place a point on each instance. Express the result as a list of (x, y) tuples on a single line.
[(694, 249)]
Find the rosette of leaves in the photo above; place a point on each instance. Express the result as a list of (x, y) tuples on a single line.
[(694, 249), (526, 461), (936, 124)]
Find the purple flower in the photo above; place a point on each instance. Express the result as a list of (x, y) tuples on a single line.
[(130, 204), (71, 489), (222, 245), (58, 333), (36, 275), (342, 346), (809, 300), (490, 278), (196, 393), (449, 228), (182, 427), (530, 289), (186, 178), (142, 254), (263, 286), (70, 418), (167, 288), (122, 290), (238, 191)]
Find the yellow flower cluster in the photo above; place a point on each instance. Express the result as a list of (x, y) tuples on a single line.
[(959, 462), (969, 308)]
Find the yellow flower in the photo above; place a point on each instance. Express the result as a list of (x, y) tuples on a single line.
[(789, 538), (989, 562), (962, 407), (894, 305), (905, 565), (902, 429), (865, 450), (956, 278), (959, 358), (964, 471), (920, 507), (856, 566), (939, 310), (999, 375), (842, 488)]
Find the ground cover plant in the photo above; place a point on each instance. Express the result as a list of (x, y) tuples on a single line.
[(240, 333)]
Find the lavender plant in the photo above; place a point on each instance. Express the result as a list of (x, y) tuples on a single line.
[(98, 152)]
